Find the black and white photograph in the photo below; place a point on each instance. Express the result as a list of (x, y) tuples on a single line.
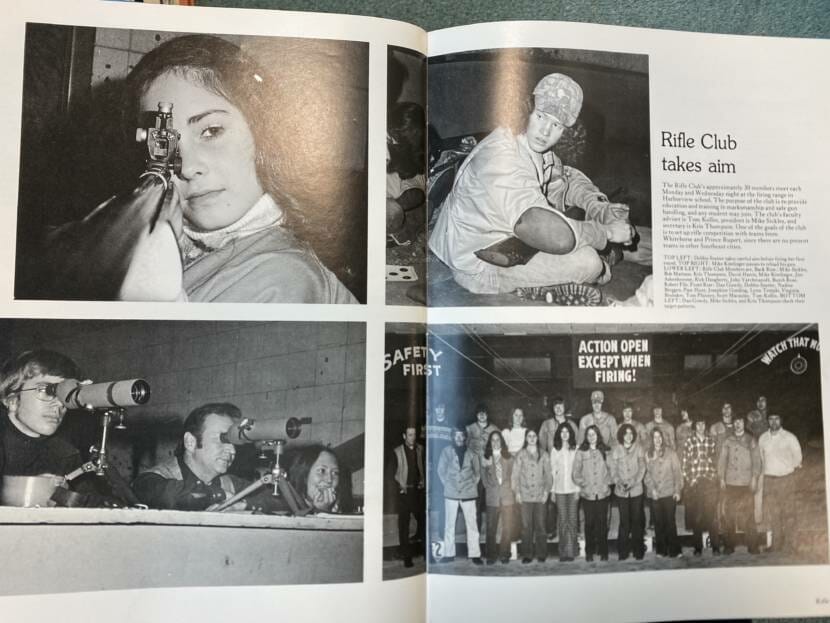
[(586, 449), (407, 366), (158, 454), (167, 166), (539, 186), (406, 209)]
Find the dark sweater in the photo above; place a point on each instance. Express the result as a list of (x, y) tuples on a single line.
[(21, 455)]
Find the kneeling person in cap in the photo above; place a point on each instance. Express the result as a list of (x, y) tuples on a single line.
[(513, 186)]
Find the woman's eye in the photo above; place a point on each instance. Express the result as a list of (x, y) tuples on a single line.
[(212, 131)]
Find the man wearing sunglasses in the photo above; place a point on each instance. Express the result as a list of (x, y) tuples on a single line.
[(28, 444)]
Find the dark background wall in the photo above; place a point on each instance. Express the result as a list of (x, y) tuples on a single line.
[(462, 384), (78, 149), (473, 93), (268, 369), (404, 405)]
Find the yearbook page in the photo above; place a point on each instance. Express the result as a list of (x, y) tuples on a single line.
[(626, 300), (193, 310)]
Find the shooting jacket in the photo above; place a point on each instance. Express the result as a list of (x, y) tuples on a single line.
[(663, 478), (498, 493), (460, 480), (740, 460), (531, 475), (628, 467), (591, 474), (256, 260), (170, 484)]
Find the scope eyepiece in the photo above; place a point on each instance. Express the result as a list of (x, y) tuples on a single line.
[(140, 392)]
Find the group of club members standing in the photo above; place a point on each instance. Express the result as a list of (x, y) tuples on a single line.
[(716, 470)]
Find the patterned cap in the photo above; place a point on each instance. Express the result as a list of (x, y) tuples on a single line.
[(596, 395), (560, 96)]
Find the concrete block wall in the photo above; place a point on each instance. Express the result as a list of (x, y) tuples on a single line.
[(118, 50), (268, 369), (340, 80)]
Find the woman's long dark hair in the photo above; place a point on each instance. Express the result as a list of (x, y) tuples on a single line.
[(538, 449), (621, 433), (512, 413), (299, 463), (222, 68), (557, 436), (407, 127), (652, 450), (488, 449), (585, 446)]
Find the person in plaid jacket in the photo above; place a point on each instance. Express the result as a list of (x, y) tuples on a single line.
[(701, 492)]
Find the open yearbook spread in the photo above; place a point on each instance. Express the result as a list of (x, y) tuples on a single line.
[(307, 316)]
